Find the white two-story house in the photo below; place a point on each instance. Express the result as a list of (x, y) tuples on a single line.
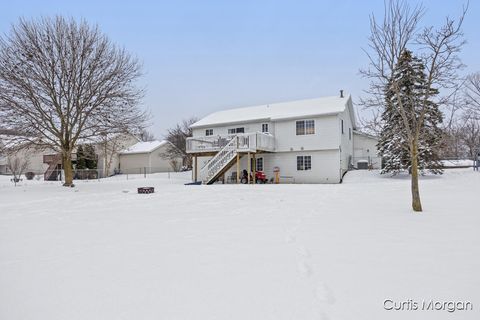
[(305, 141)]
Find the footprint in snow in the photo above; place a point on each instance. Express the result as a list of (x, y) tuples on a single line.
[(324, 294), (290, 238), (290, 234), (304, 268), (303, 251)]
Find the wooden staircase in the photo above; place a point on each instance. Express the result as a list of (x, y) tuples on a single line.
[(54, 167), (221, 162)]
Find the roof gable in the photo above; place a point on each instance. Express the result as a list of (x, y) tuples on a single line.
[(144, 147)]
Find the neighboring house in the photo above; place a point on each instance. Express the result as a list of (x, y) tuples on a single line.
[(48, 163), (148, 157), (108, 152), (306, 141), (31, 154)]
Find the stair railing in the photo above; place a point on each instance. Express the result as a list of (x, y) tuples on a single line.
[(52, 166), (218, 162)]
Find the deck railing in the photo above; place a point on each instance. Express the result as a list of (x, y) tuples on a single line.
[(254, 141)]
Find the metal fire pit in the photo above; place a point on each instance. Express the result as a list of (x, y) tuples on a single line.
[(146, 190)]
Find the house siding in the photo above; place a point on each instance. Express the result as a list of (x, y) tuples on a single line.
[(158, 163), (123, 143), (223, 129), (325, 137), (346, 138), (133, 163), (365, 147), (331, 151), (152, 161)]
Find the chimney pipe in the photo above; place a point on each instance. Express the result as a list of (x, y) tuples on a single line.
[(341, 93)]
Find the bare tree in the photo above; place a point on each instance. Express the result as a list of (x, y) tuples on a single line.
[(146, 135), (472, 92), (388, 38), (371, 124), (453, 146), (438, 49), (17, 165), (175, 164), (470, 132), (110, 145), (63, 82), (177, 136)]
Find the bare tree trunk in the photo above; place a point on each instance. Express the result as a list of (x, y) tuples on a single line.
[(67, 168), (416, 203), (106, 161)]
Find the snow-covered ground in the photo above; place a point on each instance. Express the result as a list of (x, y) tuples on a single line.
[(457, 163), (102, 251)]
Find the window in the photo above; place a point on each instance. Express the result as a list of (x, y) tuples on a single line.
[(300, 128), (259, 166), (265, 127), (309, 127), (304, 127), (304, 163), (209, 132), (236, 130), (350, 133), (342, 127)]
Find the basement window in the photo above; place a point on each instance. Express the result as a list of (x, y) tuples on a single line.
[(304, 127), (209, 132), (304, 163)]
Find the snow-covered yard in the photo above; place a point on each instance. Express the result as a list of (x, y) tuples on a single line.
[(101, 251)]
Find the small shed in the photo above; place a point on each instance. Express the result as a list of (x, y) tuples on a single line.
[(148, 157)]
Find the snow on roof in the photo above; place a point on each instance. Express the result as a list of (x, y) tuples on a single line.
[(144, 147), (277, 111), (366, 135)]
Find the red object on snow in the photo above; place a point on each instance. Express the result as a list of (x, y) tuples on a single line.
[(260, 177)]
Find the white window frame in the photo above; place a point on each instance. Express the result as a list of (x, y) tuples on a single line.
[(236, 130), (303, 165), (265, 128), (343, 131), (208, 132), (305, 127)]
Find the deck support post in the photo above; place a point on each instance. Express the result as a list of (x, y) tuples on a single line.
[(249, 167), (195, 175), (238, 167), (254, 168)]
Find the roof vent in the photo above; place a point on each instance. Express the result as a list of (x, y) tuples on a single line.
[(341, 93)]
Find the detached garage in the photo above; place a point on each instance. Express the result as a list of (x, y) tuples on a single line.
[(149, 157)]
